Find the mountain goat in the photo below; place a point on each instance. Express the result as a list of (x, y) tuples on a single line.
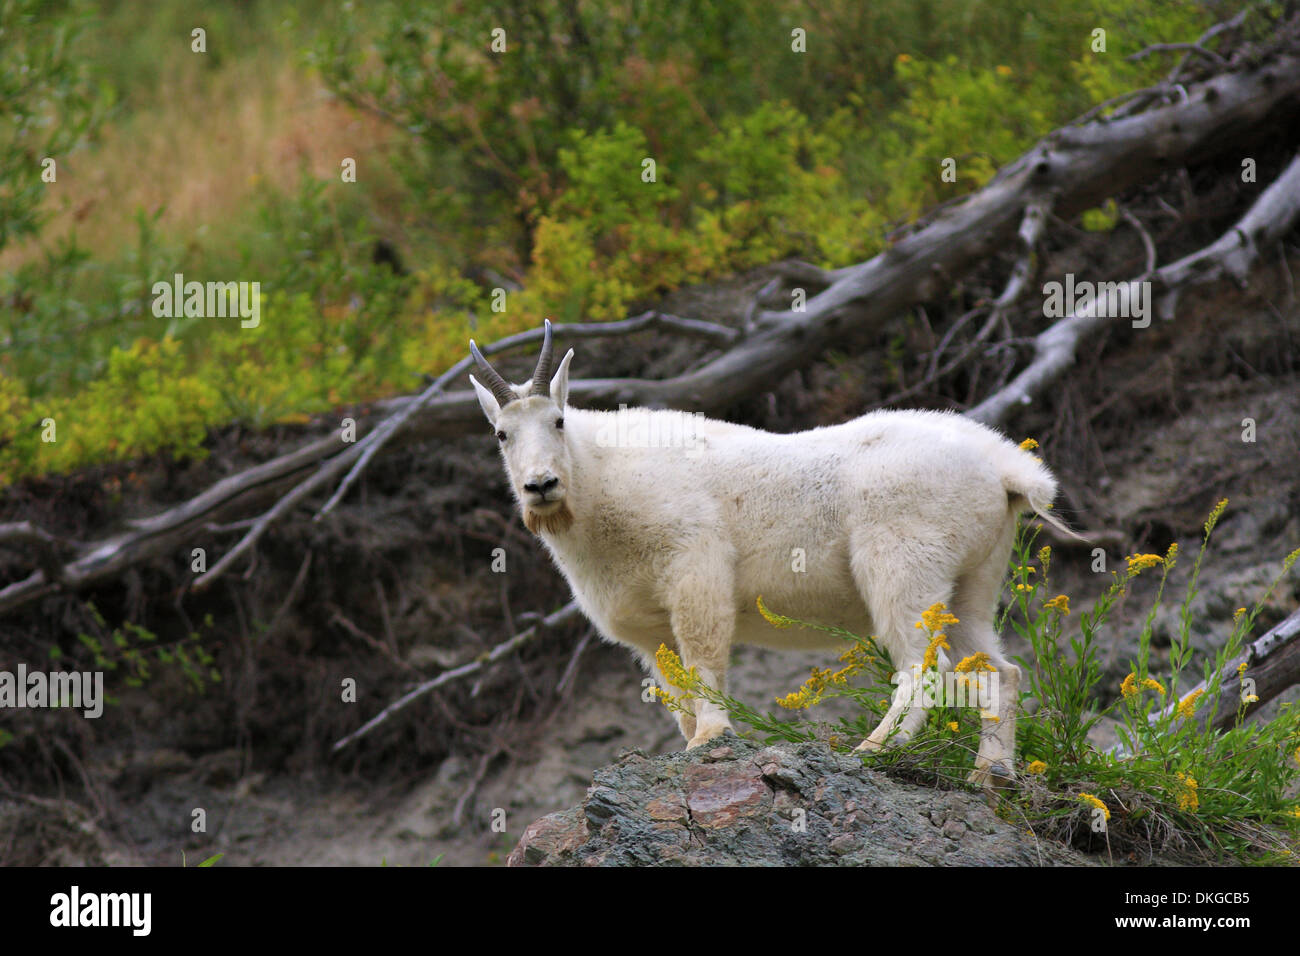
[(863, 525)]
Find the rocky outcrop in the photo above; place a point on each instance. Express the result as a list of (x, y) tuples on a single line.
[(742, 804)]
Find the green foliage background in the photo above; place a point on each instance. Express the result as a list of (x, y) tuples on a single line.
[(527, 163)]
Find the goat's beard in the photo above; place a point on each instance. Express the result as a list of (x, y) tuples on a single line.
[(554, 522)]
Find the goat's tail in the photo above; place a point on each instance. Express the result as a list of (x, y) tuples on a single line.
[(1031, 487)]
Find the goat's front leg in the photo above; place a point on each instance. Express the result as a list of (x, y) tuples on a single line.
[(703, 628)]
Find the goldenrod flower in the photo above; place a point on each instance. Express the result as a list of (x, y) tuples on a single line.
[(1059, 603), (936, 617), (1238, 614), (1151, 683), (1187, 706), (931, 658), (1024, 587), (1241, 668), (1092, 801), (1187, 797), (952, 725), (1290, 559), (1213, 519), (1045, 556), (989, 715), (1171, 555), (1037, 766), (776, 620), (1129, 688), (1250, 699), (1140, 562), (1028, 444), (670, 665), (976, 662)]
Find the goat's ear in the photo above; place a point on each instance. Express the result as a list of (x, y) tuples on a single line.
[(491, 407), (560, 383)]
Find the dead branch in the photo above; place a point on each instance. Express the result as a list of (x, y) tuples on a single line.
[(566, 613), (1073, 168), (1231, 255), (1272, 665)]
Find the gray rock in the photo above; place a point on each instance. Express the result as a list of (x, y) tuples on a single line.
[(744, 804)]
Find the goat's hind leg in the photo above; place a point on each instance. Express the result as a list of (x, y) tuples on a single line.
[(975, 605), (897, 596)]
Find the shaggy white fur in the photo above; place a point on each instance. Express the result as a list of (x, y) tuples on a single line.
[(669, 527)]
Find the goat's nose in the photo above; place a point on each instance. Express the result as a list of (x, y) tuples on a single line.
[(542, 487)]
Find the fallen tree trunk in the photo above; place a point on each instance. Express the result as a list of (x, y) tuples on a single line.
[(1272, 665), (1069, 170)]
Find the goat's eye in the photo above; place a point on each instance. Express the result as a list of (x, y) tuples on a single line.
[(501, 436), (559, 423)]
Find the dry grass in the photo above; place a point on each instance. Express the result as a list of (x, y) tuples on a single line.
[(199, 156)]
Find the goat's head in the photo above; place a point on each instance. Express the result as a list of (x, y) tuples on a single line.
[(529, 422)]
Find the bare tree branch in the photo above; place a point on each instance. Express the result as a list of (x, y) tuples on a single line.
[(1072, 168), (1232, 254), (566, 613)]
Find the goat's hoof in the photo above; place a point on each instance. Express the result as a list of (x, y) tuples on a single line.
[(703, 736), (867, 746), (728, 732), (996, 776)]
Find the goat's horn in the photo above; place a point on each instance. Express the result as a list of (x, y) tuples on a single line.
[(545, 366), (500, 388)]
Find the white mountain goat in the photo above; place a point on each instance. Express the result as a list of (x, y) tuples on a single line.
[(668, 527)]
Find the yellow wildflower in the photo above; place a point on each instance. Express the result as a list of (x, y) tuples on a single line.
[(1059, 603), (1024, 587), (1296, 756), (1129, 688), (1290, 559), (796, 700), (1006, 71), (989, 715), (1295, 811), (1238, 614), (904, 58), (1037, 766), (1028, 444), (776, 620), (1045, 556), (976, 662), (932, 650), (1092, 801), (1250, 699), (670, 665), (1187, 706), (1152, 684), (1241, 668), (1187, 796), (1171, 556), (1140, 562), (1213, 519), (952, 725), (936, 617)]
